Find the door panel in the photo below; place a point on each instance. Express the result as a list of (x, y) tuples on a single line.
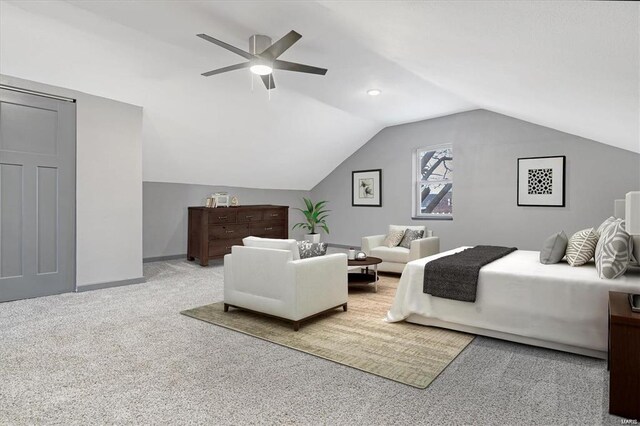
[(37, 195), (21, 135), (10, 220), (47, 220)]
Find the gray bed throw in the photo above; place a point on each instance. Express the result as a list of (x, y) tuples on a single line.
[(456, 276)]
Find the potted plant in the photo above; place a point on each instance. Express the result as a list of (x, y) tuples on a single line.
[(316, 215)]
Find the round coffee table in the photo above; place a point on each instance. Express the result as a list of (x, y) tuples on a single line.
[(364, 277)]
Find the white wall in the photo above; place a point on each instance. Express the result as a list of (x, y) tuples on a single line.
[(108, 185)]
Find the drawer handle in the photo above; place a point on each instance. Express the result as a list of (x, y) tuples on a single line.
[(268, 229), (274, 215), (230, 232), (223, 217), (249, 216)]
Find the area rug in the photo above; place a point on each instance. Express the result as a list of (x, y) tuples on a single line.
[(359, 338)]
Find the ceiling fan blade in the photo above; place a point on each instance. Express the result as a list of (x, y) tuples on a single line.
[(268, 81), (293, 66), (225, 69), (227, 46), (278, 48)]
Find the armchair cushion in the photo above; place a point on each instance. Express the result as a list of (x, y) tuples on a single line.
[(391, 254), (273, 243), (308, 249), (393, 238), (410, 235)]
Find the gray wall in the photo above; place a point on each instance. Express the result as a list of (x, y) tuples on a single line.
[(486, 147), (165, 212)]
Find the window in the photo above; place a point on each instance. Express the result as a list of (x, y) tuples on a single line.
[(433, 182)]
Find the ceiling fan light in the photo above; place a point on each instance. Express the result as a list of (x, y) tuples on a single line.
[(373, 92), (261, 69)]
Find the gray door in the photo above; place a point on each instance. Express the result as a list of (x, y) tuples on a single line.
[(37, 195)]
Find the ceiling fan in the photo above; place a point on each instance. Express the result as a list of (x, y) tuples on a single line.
[(263, 57)]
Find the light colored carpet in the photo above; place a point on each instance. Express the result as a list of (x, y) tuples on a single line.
[(407, 353), (126, 356)]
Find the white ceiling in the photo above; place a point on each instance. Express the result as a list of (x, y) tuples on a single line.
[(567, 65)]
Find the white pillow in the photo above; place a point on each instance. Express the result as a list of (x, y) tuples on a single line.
[(273, 243)]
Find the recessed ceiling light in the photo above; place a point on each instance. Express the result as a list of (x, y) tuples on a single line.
[(373, 92)]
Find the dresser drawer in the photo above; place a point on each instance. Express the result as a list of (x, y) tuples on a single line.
[(222, 215), (274, 214), (222, 247), (225, 232), (267, 230), (247, 216)]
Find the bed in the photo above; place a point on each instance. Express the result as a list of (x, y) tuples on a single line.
[(521, 300)]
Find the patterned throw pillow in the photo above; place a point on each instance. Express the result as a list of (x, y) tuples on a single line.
[(308, 249), (582, 247), (613, 250), (605, 224), (393, 238), (410, 235)]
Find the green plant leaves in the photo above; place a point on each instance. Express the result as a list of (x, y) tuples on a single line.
[(315, 214)]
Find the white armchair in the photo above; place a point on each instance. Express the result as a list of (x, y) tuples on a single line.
[(394, 259), (267, 276)]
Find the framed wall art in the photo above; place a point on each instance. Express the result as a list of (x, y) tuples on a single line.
[(366, 188), (541, 181)]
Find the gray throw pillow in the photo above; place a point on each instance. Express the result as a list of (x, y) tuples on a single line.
[(308, 249), (554, 248), (410, 235)]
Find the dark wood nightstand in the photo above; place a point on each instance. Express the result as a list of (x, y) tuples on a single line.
[(624, 357)]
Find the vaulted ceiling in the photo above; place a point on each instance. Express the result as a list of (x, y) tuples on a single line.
[(572, 66)]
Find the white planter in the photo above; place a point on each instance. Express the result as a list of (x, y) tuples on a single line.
[(312, 238)]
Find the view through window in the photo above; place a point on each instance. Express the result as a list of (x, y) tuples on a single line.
[(434, 182)]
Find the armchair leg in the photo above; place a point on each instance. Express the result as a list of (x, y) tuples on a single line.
[(344, 307), (226, 307), (296, 325)]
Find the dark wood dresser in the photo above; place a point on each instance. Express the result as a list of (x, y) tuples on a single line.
[(624, 357), (213, 231)]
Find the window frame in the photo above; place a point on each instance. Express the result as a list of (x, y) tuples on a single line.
[(417, 181)]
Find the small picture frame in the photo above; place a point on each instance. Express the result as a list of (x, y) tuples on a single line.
[(366, 188), (541, 181)]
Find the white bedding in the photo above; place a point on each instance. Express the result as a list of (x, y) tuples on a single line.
[(520, 297)]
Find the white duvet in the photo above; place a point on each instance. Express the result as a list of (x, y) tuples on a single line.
[(520, 296)]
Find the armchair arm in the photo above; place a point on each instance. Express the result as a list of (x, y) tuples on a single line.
[(371, 242), (320, 283), (424, 247)]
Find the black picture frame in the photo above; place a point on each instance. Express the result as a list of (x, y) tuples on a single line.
[(376, 174), (563, 175)]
